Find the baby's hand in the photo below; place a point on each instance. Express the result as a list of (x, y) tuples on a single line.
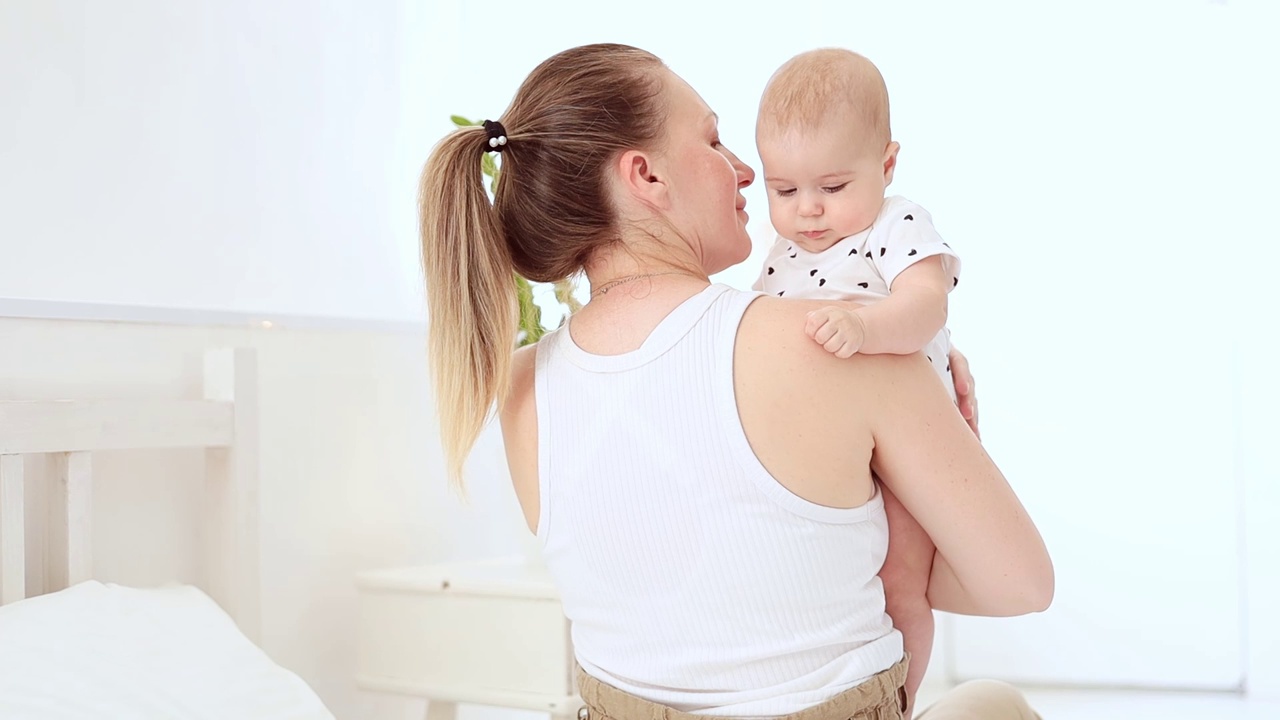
[(839, 331)]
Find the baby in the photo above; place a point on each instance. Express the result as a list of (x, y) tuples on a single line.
[(828, 155), (824, 141)]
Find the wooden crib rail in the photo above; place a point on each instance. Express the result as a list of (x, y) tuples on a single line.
[(87, 425), (225, 423)]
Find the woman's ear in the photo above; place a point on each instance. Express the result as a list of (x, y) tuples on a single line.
[(641, 179), (890, 162)]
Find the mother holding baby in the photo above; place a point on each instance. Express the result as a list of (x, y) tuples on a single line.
[(717, 495)]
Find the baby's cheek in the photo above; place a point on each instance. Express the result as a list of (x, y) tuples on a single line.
[(864, 213), (778, 216)]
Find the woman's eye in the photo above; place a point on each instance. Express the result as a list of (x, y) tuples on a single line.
[(834, 188)]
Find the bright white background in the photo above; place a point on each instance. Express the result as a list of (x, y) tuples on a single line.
[(1106, 170), (231, 156)]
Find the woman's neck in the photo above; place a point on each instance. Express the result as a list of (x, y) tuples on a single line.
[(631, 261), (632, 290)]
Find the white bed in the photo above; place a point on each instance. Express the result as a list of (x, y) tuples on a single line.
[(88, 649)]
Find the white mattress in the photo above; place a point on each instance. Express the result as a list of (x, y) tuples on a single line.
[(106, 651)]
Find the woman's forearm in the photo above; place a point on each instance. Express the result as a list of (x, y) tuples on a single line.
[(948, 594)]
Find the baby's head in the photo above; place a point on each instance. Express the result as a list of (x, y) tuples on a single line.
[(824, 141)]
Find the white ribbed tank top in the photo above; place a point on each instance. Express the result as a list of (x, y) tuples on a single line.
[(690, 576)]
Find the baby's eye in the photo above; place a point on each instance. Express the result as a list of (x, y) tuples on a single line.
[(785, 193), (834, 188)]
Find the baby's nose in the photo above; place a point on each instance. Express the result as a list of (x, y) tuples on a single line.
[(810, 207)]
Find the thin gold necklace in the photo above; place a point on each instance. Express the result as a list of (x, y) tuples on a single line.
[(606, 287)]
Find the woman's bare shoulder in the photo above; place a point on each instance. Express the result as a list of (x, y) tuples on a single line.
[(773, 328), (519, 419), (519, 398), (772, 347)]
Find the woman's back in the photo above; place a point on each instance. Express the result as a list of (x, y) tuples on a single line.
[(738, 585)]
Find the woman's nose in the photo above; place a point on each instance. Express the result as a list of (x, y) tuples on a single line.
[(746, 175)]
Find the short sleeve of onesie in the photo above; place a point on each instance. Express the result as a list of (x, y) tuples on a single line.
[(904, 235), (766, 269)]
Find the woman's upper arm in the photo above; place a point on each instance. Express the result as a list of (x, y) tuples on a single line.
[(519, 418), (931, 460)]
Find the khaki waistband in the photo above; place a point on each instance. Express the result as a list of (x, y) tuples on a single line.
[(881, 697)]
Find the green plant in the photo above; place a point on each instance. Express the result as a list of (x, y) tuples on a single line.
[(531, 327)]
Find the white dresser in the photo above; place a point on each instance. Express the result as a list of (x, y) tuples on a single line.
[(489, 633)]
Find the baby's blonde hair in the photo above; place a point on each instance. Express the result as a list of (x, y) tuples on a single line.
[(812, 87)]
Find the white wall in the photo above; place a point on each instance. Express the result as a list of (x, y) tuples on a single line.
[(233, 155)]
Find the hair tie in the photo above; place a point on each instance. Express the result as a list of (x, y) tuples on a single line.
[(497, 135)]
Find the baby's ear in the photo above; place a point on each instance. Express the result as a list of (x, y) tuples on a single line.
[(890, 162)]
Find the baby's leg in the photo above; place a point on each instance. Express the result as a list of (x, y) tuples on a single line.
[(906, 583)]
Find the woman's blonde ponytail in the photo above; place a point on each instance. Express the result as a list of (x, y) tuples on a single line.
[(471, 294)]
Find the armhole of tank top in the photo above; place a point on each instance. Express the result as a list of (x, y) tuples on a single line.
[(541, 396), (736, 435)]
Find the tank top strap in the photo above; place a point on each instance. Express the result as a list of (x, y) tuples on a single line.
[(665, 335), (732, 307)]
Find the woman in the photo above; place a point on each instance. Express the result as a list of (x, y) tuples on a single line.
[(698, 471)]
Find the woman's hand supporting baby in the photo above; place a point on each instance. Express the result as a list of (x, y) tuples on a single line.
[(966, 398)]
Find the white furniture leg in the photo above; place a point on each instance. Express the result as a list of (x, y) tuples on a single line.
[(231, 492), (13, 570), (70, 535)]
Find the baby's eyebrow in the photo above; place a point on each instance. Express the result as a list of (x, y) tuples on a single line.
[(828, 176)]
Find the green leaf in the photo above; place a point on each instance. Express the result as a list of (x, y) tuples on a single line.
[(489, 165), (461, 121), (564, 293), (530, 313)]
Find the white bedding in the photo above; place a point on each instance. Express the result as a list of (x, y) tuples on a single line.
[(106, 651)]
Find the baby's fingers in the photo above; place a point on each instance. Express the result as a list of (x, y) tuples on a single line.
[(846, 350), (839, 346), (819, 325)]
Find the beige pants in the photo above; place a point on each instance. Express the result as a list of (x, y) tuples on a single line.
[(880, 698)]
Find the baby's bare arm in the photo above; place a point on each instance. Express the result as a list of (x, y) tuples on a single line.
[(914, 312)]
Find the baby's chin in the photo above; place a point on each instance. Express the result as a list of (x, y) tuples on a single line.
[(819, 244)]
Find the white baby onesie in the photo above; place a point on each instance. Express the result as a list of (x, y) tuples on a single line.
[(863, 267)]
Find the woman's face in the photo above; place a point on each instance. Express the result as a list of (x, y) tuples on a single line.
[(705, 181)]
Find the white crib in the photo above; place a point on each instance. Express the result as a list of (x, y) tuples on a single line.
[(225, 422), (75, 647)]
